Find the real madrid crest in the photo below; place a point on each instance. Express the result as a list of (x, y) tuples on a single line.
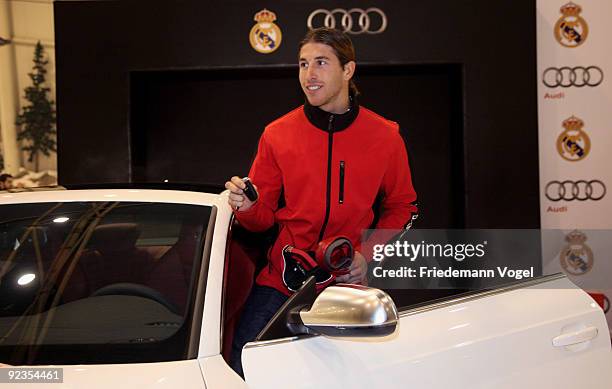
[(573, 144), (576, 258), (571, 30), (265, 36)]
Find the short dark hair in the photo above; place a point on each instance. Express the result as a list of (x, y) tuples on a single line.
[(4, 177), (339, 42)]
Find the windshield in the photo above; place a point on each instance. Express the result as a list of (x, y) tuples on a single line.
[(98, 282)]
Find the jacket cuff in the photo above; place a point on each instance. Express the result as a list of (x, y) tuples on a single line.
[(249, 211)]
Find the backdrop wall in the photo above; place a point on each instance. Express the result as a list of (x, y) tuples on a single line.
[(474, 74)]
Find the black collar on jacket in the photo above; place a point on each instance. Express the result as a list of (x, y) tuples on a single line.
[(320, 118)]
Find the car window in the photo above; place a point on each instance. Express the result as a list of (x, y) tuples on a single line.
[(98, 282)]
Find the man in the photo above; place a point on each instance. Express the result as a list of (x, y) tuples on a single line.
[(330, 158), (6, 181)]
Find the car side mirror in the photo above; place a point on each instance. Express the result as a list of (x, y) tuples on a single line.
[(349, 310), (345, 310)]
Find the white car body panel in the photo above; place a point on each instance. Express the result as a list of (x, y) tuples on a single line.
[(498, 341), (210, 336), (217, 374), (164, 196)]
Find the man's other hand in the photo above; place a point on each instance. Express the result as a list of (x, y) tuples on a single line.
[(237, 199), (358, 271)]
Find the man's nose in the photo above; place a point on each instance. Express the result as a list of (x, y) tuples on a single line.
[(311, 73)]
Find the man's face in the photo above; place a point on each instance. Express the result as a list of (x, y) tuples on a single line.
[(8, 184), (323, 80)]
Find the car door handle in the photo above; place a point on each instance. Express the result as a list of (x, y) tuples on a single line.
[(575, 337)]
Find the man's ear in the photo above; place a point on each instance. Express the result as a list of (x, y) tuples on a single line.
[(349, 70)]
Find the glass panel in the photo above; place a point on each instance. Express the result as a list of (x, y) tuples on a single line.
[(98, 282)]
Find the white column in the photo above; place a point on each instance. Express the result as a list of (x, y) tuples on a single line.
[(8, 93)]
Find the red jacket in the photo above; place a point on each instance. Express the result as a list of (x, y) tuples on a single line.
[(331, 169)]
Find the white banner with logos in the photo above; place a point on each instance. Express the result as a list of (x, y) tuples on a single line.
[(575, 141)]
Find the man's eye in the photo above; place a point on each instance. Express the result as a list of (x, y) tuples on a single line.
[(321, 62), (303, 64)]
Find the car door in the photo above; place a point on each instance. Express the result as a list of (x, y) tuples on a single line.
[(544, 333)]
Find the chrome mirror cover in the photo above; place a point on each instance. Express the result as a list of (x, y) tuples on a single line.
[(351, 310)]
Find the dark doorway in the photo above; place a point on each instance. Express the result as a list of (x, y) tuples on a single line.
[(202, 126)]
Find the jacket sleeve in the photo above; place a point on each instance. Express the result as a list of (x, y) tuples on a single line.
[(398, 208), (266, 175)]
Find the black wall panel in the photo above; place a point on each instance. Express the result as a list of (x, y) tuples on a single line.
[(460, 77)]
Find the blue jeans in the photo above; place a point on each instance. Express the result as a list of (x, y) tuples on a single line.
[(262, 304)]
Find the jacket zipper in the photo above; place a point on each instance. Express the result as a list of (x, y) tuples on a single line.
[(330, 143), (341, 190)]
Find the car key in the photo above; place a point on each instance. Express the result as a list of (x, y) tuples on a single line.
[(249, 190)]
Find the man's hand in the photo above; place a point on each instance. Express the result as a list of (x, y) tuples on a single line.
[(237, 199), (358, 271)]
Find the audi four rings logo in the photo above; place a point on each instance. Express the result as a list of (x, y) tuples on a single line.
[(577, 76), (354, 21), (580, 190)]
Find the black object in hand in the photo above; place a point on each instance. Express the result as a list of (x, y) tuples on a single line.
[(249, 190)]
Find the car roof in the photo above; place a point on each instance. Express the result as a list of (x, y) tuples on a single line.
[(135, 194)]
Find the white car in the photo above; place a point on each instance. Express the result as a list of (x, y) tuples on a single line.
[(134, 288)]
